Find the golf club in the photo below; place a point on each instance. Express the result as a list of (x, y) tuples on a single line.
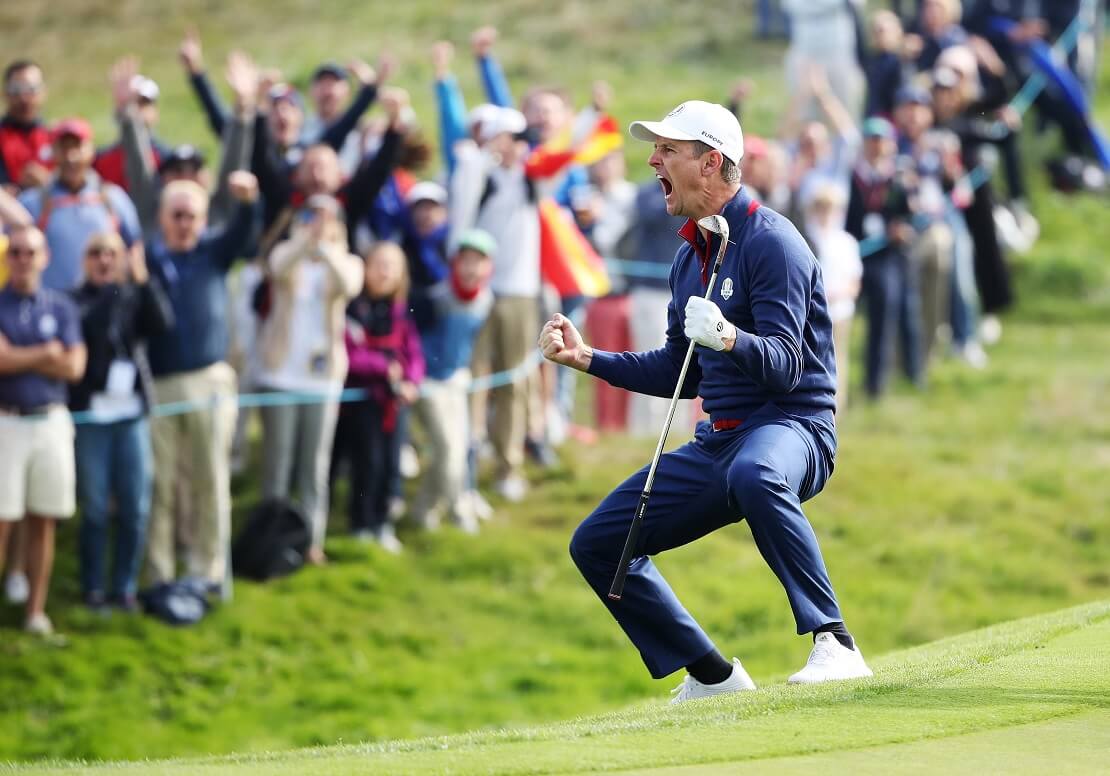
[(718, 226)]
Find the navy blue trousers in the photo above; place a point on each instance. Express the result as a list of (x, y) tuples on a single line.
[(761, 472)]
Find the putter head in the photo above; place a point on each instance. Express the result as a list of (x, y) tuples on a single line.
[(716, 224)]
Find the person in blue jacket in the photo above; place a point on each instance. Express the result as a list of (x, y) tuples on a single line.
[(765, 371)]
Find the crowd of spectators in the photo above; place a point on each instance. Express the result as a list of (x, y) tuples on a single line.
[(143, 291)]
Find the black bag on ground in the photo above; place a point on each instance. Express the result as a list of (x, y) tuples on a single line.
[(273, 543)]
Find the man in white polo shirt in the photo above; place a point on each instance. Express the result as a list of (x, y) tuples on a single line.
[(40, 351)]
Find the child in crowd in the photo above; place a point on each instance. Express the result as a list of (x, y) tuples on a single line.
[(459, 313), (313, 276), (841, 268), (385, 359)]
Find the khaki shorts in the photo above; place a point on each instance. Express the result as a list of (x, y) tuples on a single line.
[(37, 470)]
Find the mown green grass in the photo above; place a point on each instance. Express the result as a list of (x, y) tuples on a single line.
[(978, 501), (944, 699)]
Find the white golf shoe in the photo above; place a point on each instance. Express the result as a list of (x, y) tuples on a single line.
[(831, 661), (692, 689)]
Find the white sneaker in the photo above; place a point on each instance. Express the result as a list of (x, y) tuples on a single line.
[(16, 589), (39, 624), (479, 507), (512, 488), (973, 355), (990, 330), (831, 661), (387, 539), (410, 462), (691, 689)]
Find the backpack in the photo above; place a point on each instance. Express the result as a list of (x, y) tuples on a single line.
[(273, 543)]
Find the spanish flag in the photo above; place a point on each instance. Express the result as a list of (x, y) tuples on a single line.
[(567, 260)]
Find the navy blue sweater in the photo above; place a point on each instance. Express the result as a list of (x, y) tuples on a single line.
[(195, 282), (770, 288)]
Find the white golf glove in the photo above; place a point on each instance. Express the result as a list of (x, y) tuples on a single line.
[(705, 324)]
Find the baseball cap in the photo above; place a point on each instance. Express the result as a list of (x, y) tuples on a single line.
[(480, 114), (73, 127), (180, 156), (503, 120), (427, 191), (877, 126), (712, 124), (145, 87), (912, 94), (334, 69), (288, 93), (477, 240)]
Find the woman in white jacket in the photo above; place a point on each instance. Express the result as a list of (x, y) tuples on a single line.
[(313, 275)]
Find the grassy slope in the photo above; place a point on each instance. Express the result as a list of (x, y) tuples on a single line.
[(966, 694), (985, 503)]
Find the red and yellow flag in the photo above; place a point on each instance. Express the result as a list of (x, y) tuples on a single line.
[(567, 260)]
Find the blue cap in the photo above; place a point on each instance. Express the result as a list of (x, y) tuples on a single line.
[(913, 94), (877, 126)]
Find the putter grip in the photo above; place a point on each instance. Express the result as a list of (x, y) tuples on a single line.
[(616, 590)]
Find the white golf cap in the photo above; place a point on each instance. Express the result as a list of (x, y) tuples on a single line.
[(427, 191), (145, 88), (480, 114), (504, 120), (708, 122)]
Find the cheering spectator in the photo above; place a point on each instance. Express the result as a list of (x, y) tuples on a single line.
[(75, 204), (146, 173), (821, 159), (424, 240), (120, 308), (938, 29), (110, 160), (24, 140), (823, 33), (383, 349), (318, 171), (883, 65), (301, 349), (460, 311), (954, 104), (40, 351), (490, 190), (330, 91), (879, 212), (841, 269), (191, 263)]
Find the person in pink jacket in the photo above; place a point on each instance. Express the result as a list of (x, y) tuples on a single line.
[(385, 359)]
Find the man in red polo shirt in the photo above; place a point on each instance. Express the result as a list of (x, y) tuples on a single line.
[(24, 138)]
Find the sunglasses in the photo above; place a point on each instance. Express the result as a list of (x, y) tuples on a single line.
[(183, 215), (22, 90), (16, 251), (98, 251)]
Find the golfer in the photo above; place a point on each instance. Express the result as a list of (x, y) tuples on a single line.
[(764, 369)]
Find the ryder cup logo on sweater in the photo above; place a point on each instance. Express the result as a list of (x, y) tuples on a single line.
[(726, 289), (48, 325)]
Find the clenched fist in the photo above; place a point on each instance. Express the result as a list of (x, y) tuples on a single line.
[(561, 343)]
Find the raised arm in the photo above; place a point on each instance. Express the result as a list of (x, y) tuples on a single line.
[(489, 69), (369, 82), (374, 171), (238, 139), (138, 153), (449, 103), (192, 58), (231, 241)]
